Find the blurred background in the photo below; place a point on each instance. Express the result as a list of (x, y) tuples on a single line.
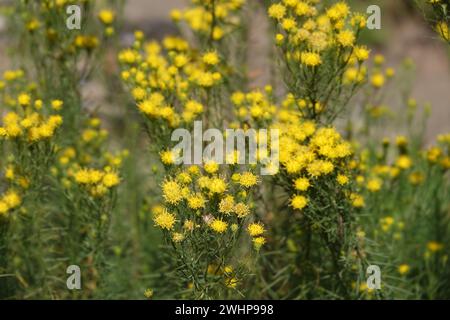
[(404, 34)]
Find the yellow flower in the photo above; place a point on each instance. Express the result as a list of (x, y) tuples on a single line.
[(228, 270), (57, 104), (310, 59), (299, 202), (241, 210), (219, 225), (82, 176), (288, 24), (172, 192), (211, 166), (106, 16), (434, 246), (148, 293), (248, 179), (95, 176), (302, 9), (110, 180), (168, 157), (196, 201), (386, 223), (390, 72), (378, 80), (176, 15), (404, 162), (338, 11), (342, 179), (9, 172), (3, 208), (217, 185), (346, 38), (165, 220), (255, 229), (401, 141), (226, 205), (231, 282), (188, 225), (177, 237), (279, 38), (379, 59), (374, 184), (277, 11), (11, 199), (357, 200), (302, 184), (24, 99), (362, 53), (211, 58), (403, 269), (33, 24), (416, 178), (258, 242), (433, 154)]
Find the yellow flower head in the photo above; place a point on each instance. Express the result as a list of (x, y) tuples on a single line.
[(346, 38), (172, 192), (357, 200), (403, 269), (196, 201), (302, 184), (219, 225), (211, 58), (310, 59), (299, 202), (211, 166), (241, 210), (110, 180), (434, 246), (277, 11), (57, 104), (24, 99), (248, 179), (226, 205), (217, 185), (374, 184), (378, 80), (342, 179), (255, 229), (106, 16), (404, 162), (165, 220), (258, 242)]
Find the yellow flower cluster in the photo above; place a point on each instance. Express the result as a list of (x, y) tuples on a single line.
[(32, 127), (310, 32), (98, 182), (374, 176), (17, 178), (37, 19), (31, 119), (319, 47), (206, 201), (255, 105), (163, 78), (210, 19), (9, 201), (308, 153)]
